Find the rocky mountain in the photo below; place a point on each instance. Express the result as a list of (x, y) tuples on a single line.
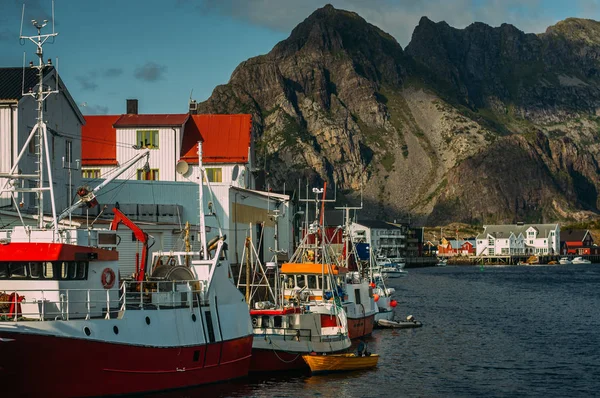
[(475, 125)]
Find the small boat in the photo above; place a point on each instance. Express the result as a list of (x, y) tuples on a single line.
[(393, 272), (580, 260), (565, 260), (410, 322), (442, 262), (340, 362)]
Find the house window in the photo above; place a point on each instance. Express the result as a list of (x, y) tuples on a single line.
[(214, 174), (147, 139), (531, 242), (90, 173), (150, 175), (491, 242), (491, 251), (68, 151)]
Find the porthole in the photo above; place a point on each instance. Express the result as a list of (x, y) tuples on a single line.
[(87, 331), (116, 329), (147, 320), (194, 317)]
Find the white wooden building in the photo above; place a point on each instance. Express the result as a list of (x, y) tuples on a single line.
[(519, 239), (111, 140), (18, 116), (385, 238), (161, 197)]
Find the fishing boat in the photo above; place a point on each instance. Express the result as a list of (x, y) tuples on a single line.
[(409, 323), (306, 270), (565, 261), (287, 327), (580, 260), (340, 362), (180, 322)]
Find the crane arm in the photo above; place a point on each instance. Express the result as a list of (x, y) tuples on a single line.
[(140, 266)]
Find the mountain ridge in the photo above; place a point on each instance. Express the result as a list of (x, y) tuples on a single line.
[(431, 124)]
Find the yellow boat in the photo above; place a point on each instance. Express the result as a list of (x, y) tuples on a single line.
[(339, 362)]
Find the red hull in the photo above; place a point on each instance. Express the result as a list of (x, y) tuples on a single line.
[(48, 366), (270, 361), (360, 327)]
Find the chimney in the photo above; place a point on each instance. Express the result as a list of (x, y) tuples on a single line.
[(132, 107), (193, 109)]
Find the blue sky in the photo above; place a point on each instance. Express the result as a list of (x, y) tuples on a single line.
[(160, 51)]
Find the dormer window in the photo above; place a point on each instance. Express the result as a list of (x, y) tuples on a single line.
[(147, 139)]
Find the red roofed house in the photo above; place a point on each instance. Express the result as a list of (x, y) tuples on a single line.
[(109, 141), (576, 241)]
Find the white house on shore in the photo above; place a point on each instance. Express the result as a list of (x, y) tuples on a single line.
[(18, 114), (519, 239)]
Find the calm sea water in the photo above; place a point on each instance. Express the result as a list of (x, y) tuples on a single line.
[(493, 331)]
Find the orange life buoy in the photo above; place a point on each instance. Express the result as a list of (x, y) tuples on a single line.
[(108, 278)]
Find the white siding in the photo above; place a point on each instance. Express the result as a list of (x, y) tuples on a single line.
[(164, 158), (8, 127)]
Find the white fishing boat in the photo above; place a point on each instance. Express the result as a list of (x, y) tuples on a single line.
[(580, 260), (179, 323), (565, 260)]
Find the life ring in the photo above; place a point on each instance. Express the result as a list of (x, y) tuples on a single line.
[(108, 278)]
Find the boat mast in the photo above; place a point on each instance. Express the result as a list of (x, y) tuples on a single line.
[(40, 95), (201, 203)]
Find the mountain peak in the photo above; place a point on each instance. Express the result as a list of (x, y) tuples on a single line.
[(576, 29), (332, 29)]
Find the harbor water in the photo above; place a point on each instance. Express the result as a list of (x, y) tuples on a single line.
[(487, 331)]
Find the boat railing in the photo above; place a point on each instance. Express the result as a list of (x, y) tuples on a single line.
[(70, 304)]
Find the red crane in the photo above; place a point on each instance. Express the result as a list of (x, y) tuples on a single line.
[(141, 236)]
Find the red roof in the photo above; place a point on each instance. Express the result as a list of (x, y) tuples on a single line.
[(226, 138), (99, 140), (130, 120)]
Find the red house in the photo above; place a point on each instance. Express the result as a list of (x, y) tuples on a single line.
[(576, 241), (462, 247)]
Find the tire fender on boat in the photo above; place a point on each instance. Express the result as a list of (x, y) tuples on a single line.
[(108, 278)]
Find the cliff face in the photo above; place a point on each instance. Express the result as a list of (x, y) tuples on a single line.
[(477, 125)]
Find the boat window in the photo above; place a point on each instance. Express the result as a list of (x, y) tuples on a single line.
[(48, 274), (68, 270), (36, 270), (290, 282), (72, 270), (62, 270), (300, 282), (322, 285), (312, 281), (357, 296), (18, 270), (81, 270), (277, 321)]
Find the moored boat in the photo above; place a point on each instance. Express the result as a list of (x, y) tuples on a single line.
[(565, 260), (580, 260), (180, 322), (340, 362), (408, 324)]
